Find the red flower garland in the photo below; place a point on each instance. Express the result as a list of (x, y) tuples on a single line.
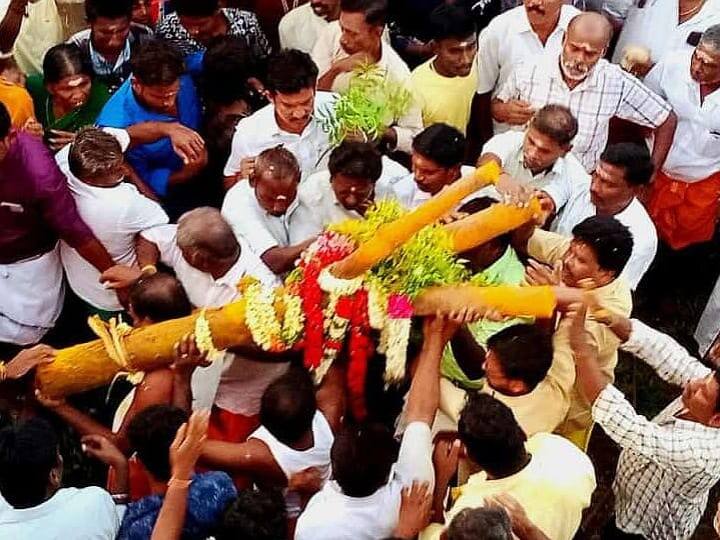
[(360, 350)]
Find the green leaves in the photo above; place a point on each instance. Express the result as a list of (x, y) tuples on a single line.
[(372, 103)]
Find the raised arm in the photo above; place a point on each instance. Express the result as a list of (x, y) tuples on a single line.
[(11, 23), (282, 259)]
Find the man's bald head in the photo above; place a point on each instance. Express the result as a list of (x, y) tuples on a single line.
[(205, 232), (586, 41), (591, 27)]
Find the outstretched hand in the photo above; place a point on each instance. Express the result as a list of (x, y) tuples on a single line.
[(187, 446), (415, 507)]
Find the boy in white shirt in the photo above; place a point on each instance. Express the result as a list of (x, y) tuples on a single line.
[(113, 209), (362, 500)]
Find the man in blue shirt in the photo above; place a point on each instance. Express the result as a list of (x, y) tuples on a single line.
[(160, 109)]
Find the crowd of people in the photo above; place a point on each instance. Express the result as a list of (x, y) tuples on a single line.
[(151, 161)]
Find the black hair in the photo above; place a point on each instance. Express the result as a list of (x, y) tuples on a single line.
[(160, 297), (362, 457), (157, 63), (610, 241), (449, 21), (491, 435), (557, 122), (151, 432), (196, 8), (28, 452), (255, 515), (288, 406), (357, 160), (442, 144), (5, 122), (633, 158), (525, 353), (108, 9), (375, 11), (478, 204), (290, 71), (484, 523), (64, 60), (228, 63)]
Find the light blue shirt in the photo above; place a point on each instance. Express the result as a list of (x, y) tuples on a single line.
[(155, 161)]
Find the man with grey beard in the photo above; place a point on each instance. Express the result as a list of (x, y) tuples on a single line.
[(593, 89)]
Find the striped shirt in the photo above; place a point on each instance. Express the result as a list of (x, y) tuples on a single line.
[(607, 91), (667, 465)]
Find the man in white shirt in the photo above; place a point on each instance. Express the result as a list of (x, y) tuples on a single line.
[(352, 184), (667, 465), (30, 481), (113, 209), (300, 27), (355, 40), (209, 261), (437, 155), (624, 169), (593, 89), (290, 120), (542, 153), (267, 213), (362, 500), (684, 200), (521, 35)]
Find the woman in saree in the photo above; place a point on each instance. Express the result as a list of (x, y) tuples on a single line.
[(66, 98)]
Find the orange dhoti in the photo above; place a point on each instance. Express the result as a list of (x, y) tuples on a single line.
[(684, 213)]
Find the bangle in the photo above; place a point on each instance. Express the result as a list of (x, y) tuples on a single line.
[(148, 270), (3, 371), (176, 482)]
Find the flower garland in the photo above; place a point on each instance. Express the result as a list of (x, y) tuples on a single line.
[(261, 317), (361, 349), (396, 335)]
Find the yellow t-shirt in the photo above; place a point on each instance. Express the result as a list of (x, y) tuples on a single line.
[(548, 248), (554, 488), (18, 103), (443, 99)]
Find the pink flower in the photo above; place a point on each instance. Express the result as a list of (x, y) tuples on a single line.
[(399, 306)]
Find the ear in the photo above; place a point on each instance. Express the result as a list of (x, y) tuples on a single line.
[(136, 86), (517, 387)]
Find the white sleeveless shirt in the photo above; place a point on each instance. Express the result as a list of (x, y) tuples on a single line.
[(292, 461)]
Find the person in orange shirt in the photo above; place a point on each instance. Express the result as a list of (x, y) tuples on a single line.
[(13, 95)]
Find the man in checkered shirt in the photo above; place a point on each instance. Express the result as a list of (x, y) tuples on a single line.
[(593, 89), (668, 465)]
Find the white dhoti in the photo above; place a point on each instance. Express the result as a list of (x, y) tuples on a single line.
[(31, 298)]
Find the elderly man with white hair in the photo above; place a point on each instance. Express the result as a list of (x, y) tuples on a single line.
[(592, 88), (210, 261)]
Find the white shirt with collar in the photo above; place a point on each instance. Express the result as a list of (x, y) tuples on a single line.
[(573, 205), (115, 215), (237, 383), (260, 131), (328, 50), (320, 205), (508, 147), (411, 196), (300, 28), (695, 151), (607, 91), (509, 40), (261, 230)]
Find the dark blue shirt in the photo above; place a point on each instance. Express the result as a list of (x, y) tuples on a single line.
[(208, 496), (155, 161)]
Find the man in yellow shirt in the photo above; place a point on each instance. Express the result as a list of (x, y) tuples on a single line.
[(597, 254), (444, 86), (550, 478)]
